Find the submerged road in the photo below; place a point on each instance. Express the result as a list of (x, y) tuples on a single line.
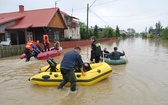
[(142, 81)]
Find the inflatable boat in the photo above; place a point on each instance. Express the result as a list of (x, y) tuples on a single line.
[(44, 55), (51, 53), (113, 62), (98, 72)]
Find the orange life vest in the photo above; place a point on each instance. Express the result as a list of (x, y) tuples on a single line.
[(46, 39), (29, 45)]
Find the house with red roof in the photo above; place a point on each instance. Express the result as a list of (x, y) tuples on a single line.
[(24, 25)]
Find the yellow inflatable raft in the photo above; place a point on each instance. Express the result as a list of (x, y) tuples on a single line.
[(99, 72)]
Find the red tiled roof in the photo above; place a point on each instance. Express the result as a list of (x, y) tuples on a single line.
[(6, 17), (33, 18)]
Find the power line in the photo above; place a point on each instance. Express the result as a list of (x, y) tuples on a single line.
[(144, 15), (92, 4), (101, 19), (106, 2)]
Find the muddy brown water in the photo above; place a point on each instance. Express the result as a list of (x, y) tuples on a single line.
[(142, 81)]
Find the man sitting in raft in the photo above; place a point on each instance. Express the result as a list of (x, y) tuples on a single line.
[(105, 52), (56, 45), (115, 55)]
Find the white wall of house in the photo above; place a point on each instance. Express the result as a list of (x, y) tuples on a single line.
[(73, 33), (3, 27), (123, 32)]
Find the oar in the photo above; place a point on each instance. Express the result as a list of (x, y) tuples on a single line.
[(125, 56), (103, 56)]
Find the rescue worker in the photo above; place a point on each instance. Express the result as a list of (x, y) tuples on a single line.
[(30, 46), (67, 68), (28, 49), (46, 42), (95, 50)]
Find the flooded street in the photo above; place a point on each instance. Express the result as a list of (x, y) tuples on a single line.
[(142, 81)]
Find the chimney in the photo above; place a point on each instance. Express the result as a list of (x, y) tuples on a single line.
[(21, 8)]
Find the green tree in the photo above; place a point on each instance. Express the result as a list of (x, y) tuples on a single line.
[(96, 34), (117, 31), (158, 27), (90, 34), (164, 33), (108, 32), (123, 35), (131, 31), (105, 32), (83, 30)]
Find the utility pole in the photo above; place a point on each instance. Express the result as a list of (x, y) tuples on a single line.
[(55, 4), (72, 12), (87, 20)]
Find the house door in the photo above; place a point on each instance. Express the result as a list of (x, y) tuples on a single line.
[(2, 37), (13, 38)]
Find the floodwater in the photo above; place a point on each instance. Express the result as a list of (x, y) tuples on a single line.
[(142, 81)]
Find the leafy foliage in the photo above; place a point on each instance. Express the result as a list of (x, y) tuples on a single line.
[(164, 33), (117, 32), (108, 32), (96, 32), (83, 30)]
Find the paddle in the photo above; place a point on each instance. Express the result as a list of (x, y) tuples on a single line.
[(125, 56), (103, 56)]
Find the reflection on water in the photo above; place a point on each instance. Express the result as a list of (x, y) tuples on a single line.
[(142, 81)]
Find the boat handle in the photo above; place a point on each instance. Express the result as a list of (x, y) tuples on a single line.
[(78, 75), (55, 75), (45, 77), (98, 70)]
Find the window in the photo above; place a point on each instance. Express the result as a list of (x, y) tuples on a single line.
[(29, 35), (56, 35)]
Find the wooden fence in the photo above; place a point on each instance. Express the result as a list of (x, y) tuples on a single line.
[(11, 50)]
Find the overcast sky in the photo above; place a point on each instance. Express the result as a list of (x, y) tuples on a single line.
[(137, 14)]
